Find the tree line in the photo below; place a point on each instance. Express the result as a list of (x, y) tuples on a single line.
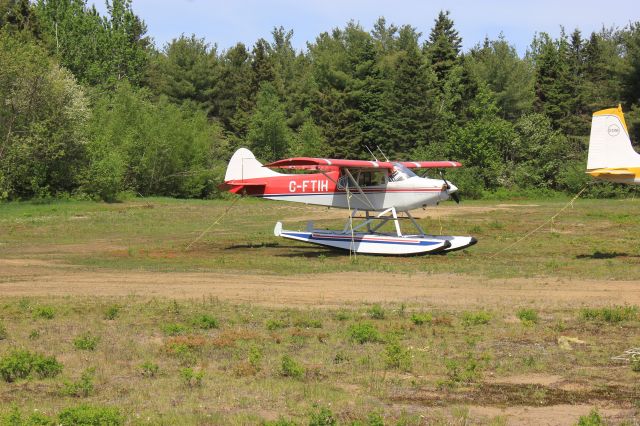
[(90, 107)]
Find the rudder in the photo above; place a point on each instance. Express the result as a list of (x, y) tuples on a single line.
[(609, 142), (243, 165)]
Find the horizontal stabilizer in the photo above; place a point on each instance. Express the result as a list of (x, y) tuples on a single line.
[(240, 187), (611, 172)]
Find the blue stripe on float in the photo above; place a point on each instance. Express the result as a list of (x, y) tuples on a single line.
[(360, 240)]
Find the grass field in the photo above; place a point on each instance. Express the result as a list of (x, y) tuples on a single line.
[(246, 328)]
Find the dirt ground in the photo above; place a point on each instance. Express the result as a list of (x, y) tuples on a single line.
[(25, 277)]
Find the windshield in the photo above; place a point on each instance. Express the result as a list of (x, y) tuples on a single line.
[(400, 173)]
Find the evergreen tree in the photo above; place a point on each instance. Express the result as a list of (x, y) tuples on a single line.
[(553, 84), (183, 71), (443, 47), (268, 135), (497, 64), (412, 96), (230, 97)]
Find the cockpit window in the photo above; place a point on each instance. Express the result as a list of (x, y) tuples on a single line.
[(400, 173)]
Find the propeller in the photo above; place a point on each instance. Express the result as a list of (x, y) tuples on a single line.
[(454, 195)]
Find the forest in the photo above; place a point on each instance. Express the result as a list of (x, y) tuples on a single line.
[(91, 108)]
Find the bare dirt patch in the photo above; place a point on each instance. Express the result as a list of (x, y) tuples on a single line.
[(553, 415), (31, 277), (528, 379)]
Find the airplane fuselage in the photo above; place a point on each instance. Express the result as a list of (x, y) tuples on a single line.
[(330, 189)]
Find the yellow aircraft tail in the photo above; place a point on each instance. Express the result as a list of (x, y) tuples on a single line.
[(611, 155)]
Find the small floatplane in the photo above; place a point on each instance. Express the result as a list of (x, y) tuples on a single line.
[(382, 190), (611, 155)]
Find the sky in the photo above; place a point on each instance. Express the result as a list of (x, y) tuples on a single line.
[(227, 22)]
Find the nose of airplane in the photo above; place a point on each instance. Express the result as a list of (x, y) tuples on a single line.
[(452, 191)]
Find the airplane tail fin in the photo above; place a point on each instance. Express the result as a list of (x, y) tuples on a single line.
[(243, 165), (609, 143)]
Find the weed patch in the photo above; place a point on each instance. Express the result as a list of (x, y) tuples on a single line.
[(44, 312), (397, 357), (112, 312), (611, 314), (83, 387), (275, 324), (307, 323), (420, 319), (527, 316), (149, 369), (3, 332), (364, 332), (86, 342), (476, 318), (206, 322), (191, 378), (462, 371), (91, 415), (322, 416), (289, 367), (376, 312), (591, 419), (174, 329)]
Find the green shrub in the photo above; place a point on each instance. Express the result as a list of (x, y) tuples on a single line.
[(88, 415), (635, 365), (476, 318), (86, 342), (83, 387), (112, 312), (274, 324), (20, 364), (464, 371), (376, 312), (527, 316), (291, 368), (46, 366), (3, 332), (364, 332), (185, 354), (281, 421), (611, 314), (34, 334), (322, 416), (419, 319), (397, 357), (255, 357), (342, 316), (39, 419), (206, 322), (191, 378), (149, 369), (307, 323), (14, 418), (340, 357), (46, 312), (375, 419), (592, 419), (174, 329)]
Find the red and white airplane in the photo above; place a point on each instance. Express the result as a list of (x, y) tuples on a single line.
[(383, 187)]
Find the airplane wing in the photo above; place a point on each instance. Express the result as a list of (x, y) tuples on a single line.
[(308, 163), (430, 164)]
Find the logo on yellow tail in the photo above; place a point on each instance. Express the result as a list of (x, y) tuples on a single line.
[(613, 130)]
